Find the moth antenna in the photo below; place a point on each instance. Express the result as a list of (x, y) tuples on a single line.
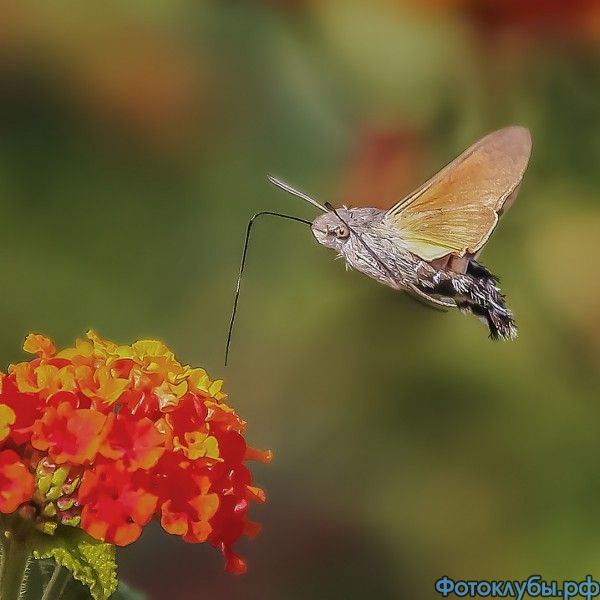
[(290, 190), (332, 209), (243, 264)]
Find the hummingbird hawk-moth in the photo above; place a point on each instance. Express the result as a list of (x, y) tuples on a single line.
[(428, 243)]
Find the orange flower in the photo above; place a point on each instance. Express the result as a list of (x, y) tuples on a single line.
[(69, 434), (43, 379), (40, 345), (105, 437), (100, 383)]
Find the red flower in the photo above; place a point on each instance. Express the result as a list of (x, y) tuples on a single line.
[(16, 482), (186, 511), (115, 505), (137, 442), (26, 408)]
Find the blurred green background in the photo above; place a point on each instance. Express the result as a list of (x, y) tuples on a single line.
[(135, 139)]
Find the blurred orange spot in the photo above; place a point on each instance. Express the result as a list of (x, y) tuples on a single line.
[(385, 166), (533, 17)]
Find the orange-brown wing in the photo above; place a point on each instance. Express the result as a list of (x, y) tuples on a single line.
[(456, 210)]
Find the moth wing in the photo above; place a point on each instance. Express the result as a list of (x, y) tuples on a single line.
[(456, 211)]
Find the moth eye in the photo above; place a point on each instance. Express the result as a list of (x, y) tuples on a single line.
[(342, 232)]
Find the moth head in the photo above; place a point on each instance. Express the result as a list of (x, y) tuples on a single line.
[(332, 229)]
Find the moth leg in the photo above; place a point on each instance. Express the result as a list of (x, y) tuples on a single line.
[(430, 301), (451, 262)]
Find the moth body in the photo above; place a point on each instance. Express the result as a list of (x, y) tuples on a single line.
[(367, 244), (365, 239)]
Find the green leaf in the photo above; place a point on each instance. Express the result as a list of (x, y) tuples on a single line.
[(90, 561)]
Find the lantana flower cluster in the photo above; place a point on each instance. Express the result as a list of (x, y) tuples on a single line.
[(105, 437)]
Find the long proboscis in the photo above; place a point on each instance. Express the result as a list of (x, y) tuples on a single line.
[(243, 264)]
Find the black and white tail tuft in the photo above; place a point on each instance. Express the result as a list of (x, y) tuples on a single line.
[(477, 292)]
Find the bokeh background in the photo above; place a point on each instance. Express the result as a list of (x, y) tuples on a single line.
[(135, 137)]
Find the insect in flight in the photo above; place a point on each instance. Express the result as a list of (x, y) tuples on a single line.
[(428, 243)]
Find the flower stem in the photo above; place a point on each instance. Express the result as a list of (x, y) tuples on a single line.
[(56, 585), (16, 553)]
